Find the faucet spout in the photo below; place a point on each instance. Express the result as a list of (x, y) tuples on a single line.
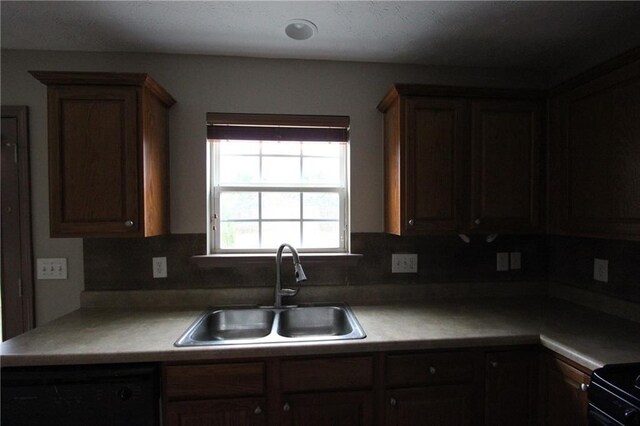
[(299, 273)]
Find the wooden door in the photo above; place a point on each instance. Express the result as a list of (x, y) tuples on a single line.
[(434, 165), (328, 409), (93, 160), (227, 412), (436, 405), (598, 143), (511, 387), (505, 176), (17, 266), (563, 400)]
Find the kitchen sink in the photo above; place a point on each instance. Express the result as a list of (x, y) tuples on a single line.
[(251, 325)]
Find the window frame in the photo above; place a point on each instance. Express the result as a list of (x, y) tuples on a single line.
[(287, 123)]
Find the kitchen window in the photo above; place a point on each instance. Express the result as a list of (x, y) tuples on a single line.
[(275, 179)]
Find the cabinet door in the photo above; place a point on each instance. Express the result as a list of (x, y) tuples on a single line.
[(231, 412), (328, 409), (511, 387), (436, 405), (93, 160), (563, 398), (597, 143), (434, 165), (506, 143)]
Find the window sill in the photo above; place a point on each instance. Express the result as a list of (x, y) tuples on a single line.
[(213, 261)]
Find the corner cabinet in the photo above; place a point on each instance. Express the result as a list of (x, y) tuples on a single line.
[(462, 160), (108, 154)]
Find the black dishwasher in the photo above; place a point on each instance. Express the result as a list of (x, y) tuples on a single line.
[(96, 395)]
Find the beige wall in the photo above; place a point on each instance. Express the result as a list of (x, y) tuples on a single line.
[(204, 84)]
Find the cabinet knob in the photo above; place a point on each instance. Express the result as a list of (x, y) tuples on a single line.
[(432, 370), (411, 222), (392, 401), (477, 221), (494, 364), (584, 387), (128, 223), (258, 410), (286, 407)]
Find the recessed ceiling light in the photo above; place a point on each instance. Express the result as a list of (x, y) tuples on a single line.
[(300, 29)]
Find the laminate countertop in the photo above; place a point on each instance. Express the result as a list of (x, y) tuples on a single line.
[(109, 335)]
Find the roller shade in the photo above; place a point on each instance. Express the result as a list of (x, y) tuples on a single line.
[(277, 127)]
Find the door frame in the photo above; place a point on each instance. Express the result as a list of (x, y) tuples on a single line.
[(21, 114)]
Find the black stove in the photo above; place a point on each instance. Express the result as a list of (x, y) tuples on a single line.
[(614, 395)]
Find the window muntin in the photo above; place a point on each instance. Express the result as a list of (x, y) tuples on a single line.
[(265, 192)]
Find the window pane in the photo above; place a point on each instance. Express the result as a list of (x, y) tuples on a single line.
[(276, 233), (239, 148), (281, 205), (235, 169), (239, 205), (280, 148), (239, 235), (321, 170), (321, 205), (322, 149), (284, 170), (321, 234)]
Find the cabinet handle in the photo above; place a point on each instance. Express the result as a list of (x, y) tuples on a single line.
[(584, 387), (392, 401), (258, 410), (128, 223), (411, 222), (432, 370), (494, 364), (286, 407), (477, 221)]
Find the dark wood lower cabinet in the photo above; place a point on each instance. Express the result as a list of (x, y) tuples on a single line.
[(511, 387), (328, 409), (434, 405), (563, 399), (224, 412)]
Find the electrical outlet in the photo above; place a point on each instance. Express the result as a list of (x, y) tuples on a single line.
[(601, 270), (51, 269), (516, 260), (404, 263), (502, 262), (159, 267)]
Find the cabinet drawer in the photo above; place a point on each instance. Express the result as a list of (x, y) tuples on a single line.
[(326, 374), (214, 380), (426, 369)]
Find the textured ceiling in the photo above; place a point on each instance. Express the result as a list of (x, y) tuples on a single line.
[(546, 36)]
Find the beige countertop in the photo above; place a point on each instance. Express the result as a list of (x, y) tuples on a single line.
[(112, 335)]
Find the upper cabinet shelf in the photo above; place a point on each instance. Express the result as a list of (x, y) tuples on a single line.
[(462, 160), (108, 154)]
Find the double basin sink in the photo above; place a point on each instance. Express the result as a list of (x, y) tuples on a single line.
[(251, 325)]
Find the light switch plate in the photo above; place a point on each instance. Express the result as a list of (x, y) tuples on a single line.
[(159, 267), (51, 269), (516, 260), (404, 263), (502, 262), (601, 270)]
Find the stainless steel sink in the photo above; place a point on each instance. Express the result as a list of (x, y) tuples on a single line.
[(251, 325)]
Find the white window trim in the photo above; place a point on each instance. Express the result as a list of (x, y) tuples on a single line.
[(213, 204)]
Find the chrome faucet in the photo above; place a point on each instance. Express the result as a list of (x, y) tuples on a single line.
[(300, 276)]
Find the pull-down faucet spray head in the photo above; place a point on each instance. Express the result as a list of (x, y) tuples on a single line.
[(300, 276)]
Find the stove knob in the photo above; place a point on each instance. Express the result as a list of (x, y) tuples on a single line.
[(631, 417)]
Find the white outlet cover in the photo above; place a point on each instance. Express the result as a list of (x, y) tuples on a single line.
[(502, 262), (516, 260), (601, 270), (51, 269), (159, 265), (404, 263)]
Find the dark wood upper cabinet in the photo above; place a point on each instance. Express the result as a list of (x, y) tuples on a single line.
[(461, 160), (506, 141), (594, 155), (108, 154)]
